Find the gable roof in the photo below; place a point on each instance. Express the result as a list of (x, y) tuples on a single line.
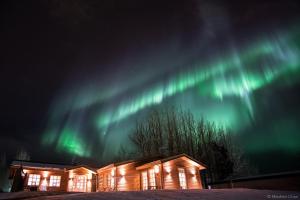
[(84, 167), (140, 163), (116, 164), (163, 160), (185, 156)]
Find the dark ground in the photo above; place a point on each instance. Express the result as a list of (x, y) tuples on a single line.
[(214, 194)]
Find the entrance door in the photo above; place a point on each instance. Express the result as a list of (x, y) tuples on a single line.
[(182, 178), (144, 180), (80, 183)]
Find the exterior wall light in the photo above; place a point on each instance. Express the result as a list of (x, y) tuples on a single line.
[(168, 169), (112, 172), (45, 174), (193, 172), (89, 176), (71, 175), (122, 172)]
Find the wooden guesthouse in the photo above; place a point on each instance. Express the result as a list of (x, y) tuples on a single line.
[(175, 172)]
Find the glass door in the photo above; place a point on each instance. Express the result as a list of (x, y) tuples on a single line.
[(182, 178), (80, 183), (144, 181)]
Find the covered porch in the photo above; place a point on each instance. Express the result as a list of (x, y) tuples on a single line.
[(81, 179)]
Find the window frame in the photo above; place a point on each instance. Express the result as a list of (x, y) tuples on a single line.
[(145, 180), (112, 182), (80, 183), (34, 178), (54, 181), (152, 181), (182, 178)]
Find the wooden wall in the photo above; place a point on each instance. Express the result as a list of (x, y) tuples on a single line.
[(62, 173), (102, 180), (127, 178), (130, 181), (171, 178), (84, 171), (158, 177)]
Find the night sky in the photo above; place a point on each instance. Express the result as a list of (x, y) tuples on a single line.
[(76, 75)]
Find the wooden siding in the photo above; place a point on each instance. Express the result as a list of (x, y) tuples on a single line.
[(80, 171), (126, 178), (62, 173), (88, 174), (168, 175), (171, 174), (102, 180), (157, 175), (130, 180)]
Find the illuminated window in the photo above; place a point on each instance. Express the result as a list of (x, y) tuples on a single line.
[(89, 186), (80, 182), (70, 185), (108, 180), (112, 182), (54, 181), (182, 179), (145, 180), (34, 179), (152, 179)]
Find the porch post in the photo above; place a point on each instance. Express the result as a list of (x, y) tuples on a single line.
[(162, 182)]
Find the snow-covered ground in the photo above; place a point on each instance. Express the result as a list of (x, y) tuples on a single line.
[(214, 194)]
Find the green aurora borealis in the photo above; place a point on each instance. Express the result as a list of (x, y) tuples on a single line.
[(227, 88), (228, 78)]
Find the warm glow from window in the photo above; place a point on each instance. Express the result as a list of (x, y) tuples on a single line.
[(89, 185), (80, 182), (152, 183), (43, 186), (156, 169), (112, 183), (70, 185), (145, 181), (182, 178), (54, 181), (34, 179)]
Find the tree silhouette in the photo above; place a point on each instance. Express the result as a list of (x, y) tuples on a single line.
[(18, 180), (179, 132)]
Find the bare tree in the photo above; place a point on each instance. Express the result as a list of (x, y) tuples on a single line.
[(170, 133), (22, 154), (178, 132)]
